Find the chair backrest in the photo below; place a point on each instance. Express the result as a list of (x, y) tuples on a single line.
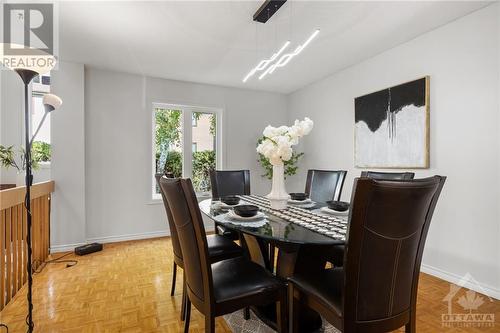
[(186, 214), (230, 182), (171, 225), (388, 175), (325, 185), (388, 226)]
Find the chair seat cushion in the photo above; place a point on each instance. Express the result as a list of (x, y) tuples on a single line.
[(220, 248), (238, 278), (325, 286)]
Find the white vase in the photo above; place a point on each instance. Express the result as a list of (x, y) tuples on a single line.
[(20, 179), (278, 196)]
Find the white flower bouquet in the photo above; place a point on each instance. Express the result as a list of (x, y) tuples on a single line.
[(277, 142), (276, 146)]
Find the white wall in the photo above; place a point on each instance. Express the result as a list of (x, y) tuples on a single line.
[(118, 117), (462, 59), (68, 158)]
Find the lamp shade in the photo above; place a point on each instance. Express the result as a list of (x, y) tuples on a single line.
[(51, 102)]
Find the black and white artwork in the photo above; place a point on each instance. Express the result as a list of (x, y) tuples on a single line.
[(392, 127)]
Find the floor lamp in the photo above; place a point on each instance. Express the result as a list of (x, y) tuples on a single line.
[(51, 102)]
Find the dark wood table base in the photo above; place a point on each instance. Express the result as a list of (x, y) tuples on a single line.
[(291, 258)]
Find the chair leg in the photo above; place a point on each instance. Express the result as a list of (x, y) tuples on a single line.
[(174, 276), (246, 313), (184, 297), (188, 315), (271, 256), (209, 324), (293, 318), (411, 326), (281, 313)]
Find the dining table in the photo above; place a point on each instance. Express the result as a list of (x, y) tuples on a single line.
[(302, 234)]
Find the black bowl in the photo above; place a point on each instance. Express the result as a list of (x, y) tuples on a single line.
[(339, 206), (230, 200), (246, 210), (298, 196)]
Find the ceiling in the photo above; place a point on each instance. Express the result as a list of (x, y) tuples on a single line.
[(217, 42)]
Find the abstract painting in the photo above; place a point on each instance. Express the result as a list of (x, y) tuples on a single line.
[(392, 127)]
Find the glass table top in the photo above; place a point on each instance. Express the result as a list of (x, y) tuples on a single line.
[(275, 226)]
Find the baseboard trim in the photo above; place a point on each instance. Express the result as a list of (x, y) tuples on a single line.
[(457, 279), (110, 239), (64, 247), (122, 238)]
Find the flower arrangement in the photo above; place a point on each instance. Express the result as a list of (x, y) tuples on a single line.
[(277, 142), (276, 147)]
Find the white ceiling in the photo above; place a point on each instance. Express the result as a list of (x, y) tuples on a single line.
[(217, 42)]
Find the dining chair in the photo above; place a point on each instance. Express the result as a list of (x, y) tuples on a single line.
[(218, 288), (229, 182), (388, 175), (219, 247), (376, 290), (336, 256), (324, 185)]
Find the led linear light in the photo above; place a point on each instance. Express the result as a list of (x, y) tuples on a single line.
[(263, 63), (285, 58)]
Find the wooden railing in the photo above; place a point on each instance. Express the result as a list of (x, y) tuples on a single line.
[(13, 247)]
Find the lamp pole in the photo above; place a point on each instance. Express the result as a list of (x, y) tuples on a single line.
[(27, 75)]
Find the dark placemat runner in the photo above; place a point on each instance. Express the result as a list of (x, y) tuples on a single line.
[(332, 226)]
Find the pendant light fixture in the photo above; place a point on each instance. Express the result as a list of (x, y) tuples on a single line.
[(278, 59)]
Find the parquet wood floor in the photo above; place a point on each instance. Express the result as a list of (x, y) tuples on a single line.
[(126, 288)]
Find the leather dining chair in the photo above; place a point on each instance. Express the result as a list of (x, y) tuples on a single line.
[(376, 290), (388, 175), (219, 248), (337, 252), (324, 185), (229, 182), (218, 288)]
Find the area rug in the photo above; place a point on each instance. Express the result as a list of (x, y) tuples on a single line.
[(238, 324)]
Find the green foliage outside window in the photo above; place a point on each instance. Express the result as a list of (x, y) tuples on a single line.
[(41, 151), (203, 163), (173, 164), (168, 135)]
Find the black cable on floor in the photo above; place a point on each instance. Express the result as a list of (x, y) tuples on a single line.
[(69, 262), (5, 326)]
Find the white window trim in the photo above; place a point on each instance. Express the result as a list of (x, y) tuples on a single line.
[(187, 118)]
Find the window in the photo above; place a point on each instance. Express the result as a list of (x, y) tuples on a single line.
[(41, 148), (186, 143)]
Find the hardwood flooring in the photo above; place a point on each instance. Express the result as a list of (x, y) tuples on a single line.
[(126, 288)]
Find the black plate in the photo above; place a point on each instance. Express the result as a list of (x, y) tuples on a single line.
[(230, 200), (339, 206), (298, 196), (246, 210)]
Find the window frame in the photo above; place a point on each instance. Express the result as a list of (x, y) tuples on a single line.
[(187, 140)]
